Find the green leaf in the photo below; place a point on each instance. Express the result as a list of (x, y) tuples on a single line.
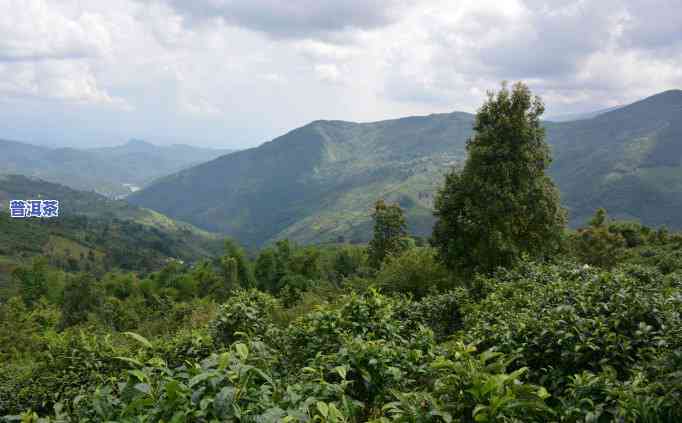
[(129, 360), (542, 393), (143, 387), (242, 351), (324, 409), (139, 338), (139, 375), (342, 371), (200, 378), (478, 409)]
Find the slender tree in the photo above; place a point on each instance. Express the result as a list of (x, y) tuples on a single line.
[(229, 269), (78, 299), (597, 244), (390, 233), (33, 280), (244, 270), (273, 265), (502, 204)]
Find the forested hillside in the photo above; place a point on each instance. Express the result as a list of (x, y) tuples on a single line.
[(112, 171), (628, 161), (92, 232), (318, 182), (506, 315)]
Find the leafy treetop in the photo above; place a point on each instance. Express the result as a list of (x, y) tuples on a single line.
[(502, 204)]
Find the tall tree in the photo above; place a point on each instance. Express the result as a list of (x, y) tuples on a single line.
[(208, 281), (78, 299), (243, 268), (32, 281), (390, 233), (273, 265), (502, 204), (229, 269), (266, 269)]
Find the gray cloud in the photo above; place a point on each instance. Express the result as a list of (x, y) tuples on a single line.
[(541, 39), (575, 53), (293, 18), (653, 25)]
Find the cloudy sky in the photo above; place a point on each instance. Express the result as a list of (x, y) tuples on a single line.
[(235, 73)]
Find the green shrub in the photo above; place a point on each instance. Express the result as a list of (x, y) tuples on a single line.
[(368, 316), (442, 313), (417, 271), (246, 311), (467, 386), (539, 342), (570, 322), (74, 364)]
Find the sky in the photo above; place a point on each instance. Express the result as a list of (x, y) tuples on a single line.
[(237, 73)]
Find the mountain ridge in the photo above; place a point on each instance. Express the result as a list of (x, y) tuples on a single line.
[(111, 171), (625, 160)]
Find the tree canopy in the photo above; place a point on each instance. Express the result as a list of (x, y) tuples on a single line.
[(390, 231), (501, 204)]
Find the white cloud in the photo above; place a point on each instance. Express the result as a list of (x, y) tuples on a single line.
[(55, 80), (316, 50), (576, 53), (274, 78), (46, 53), (328, 73), (38, 29), (243, 71)]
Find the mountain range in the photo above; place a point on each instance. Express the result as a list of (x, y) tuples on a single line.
[(567, 117), (317, 183), (628, 161), (111, 171)]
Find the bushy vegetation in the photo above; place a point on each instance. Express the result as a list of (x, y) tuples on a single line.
[(537, 342), (591, 331)]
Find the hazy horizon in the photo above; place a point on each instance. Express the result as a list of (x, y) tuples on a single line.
[(169, 141)]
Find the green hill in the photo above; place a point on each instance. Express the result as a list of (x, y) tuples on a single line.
[(628, 161), (318, 182), (112, 171), (92, 231)]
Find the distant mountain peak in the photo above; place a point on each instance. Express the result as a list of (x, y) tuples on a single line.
[(674, 91), (673, 96), (663, 105), (134, 142)]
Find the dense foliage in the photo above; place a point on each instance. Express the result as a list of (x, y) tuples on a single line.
[(559, 341), (501, 205)]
